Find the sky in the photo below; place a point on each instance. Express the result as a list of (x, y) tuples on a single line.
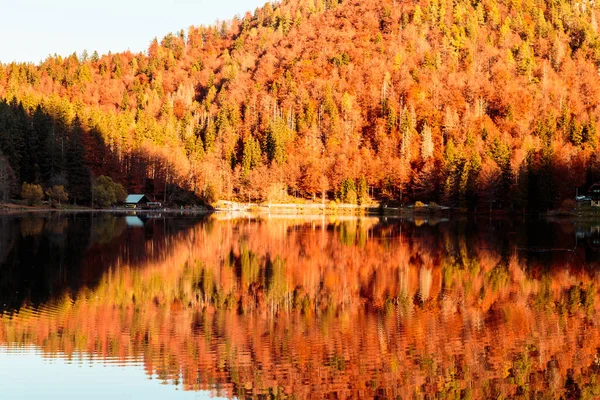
[(33, 29)]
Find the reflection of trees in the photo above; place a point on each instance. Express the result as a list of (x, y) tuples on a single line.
[(105, 227), (46, 255), (8, 233), (31, 226), (280, 308), (41, 259)]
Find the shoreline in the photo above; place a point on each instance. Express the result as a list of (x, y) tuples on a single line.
[(26, 210), (300, 210)]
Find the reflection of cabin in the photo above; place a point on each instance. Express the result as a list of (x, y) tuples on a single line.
[(138, 220), (594, 193), (134, 221), (136, 201)]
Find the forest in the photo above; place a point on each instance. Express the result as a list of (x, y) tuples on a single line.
[(464, 103)]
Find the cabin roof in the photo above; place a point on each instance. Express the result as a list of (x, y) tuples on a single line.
[(134, 198)]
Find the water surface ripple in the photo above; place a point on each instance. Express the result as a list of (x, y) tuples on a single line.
[(298, 307)]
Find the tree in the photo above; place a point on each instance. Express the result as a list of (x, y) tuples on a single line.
[(424, 182), (405, 150), (106, 192), (278, 136), (427, 143), (32, 193), (7, 179), (58, 193), (13, 136), (490, 182), (363, 195), (251, 157), (78, 173), (310, 174), (324, 185), (196, 96), (348, 191)]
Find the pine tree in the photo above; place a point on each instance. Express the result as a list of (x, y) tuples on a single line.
[(251, 157), (209, 136), (298, 18), (590, 134), (362, 190), (417, 17), (7, 179), (286, 22), (575, 132), (13, 125), (78, 174), (278, 137), (348, 192), (42, 126)]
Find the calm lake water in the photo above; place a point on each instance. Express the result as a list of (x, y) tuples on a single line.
[(176, 306)]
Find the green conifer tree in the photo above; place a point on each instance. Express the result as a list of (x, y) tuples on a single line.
[(78, 173)]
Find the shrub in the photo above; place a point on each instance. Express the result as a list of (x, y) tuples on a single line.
[(351, 197), (568, 205), (106, 192), (58, 194), (210, 195), (32, 193)]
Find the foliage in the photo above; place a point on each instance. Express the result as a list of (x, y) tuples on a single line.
[(568, 205), (483, 104), (58, 193), (348, 192), (7, 179), (106, 192), (32, 193), (362, 191)]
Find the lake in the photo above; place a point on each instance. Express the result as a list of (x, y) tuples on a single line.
[(181, 306)]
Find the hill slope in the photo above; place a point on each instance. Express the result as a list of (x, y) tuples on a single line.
[(464, 103)]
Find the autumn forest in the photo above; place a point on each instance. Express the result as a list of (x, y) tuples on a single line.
[(465, 103)]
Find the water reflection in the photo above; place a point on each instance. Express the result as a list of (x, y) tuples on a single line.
[(313, 308), (44, 256)]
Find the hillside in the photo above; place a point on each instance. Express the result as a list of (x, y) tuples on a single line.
[(463, 103)]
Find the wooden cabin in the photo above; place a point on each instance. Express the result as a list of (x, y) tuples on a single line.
[(594, 193), (136, 201)]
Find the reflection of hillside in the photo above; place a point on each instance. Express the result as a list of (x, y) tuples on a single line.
[(589, 235), (45, 255), (342, 309), (8, 236)]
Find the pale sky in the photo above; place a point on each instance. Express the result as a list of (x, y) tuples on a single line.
[(33, 29)]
